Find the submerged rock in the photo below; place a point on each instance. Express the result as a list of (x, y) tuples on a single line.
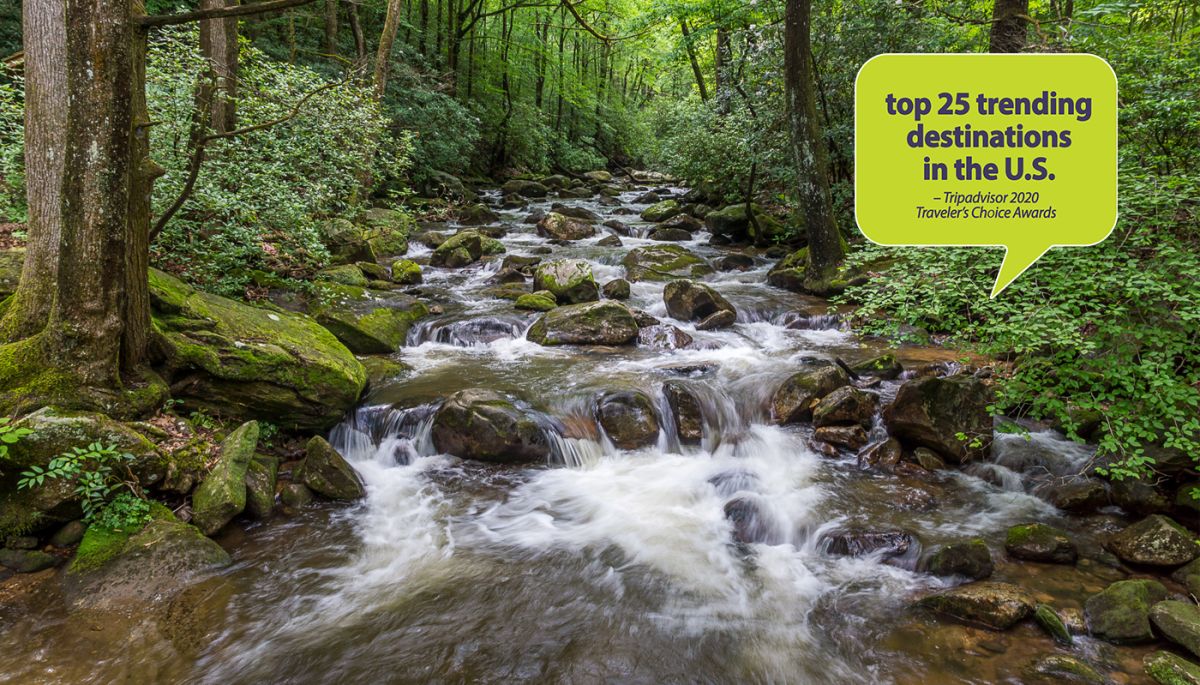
[(222, 495), (970, 559), (1179, 622), (663, 337), (594, 323), (629, 420), (327, 473), (663, 263), (1121, 614), (892, 543), (1039, 542), (847, 404), (1057, 668), (569, 280), (749, 523), (1053, 624), (685, 409), (931, 412), (690, 301), (485, 426), (793, 401), (1155, 540), (992, 604)]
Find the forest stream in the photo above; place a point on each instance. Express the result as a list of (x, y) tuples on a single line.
[(607, 566)]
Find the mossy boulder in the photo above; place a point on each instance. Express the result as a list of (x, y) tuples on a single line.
[(884, 367), (628, 419), (617, 289), (477, 215), (687, 300), (660, 211), (970, 559), (525, 188), (1121, 614), (1140, 497), (1060, 668), (387, 231), (367, 322), (1179, 622), (243, 362), (1080, 498), (685, 412), (557, 181), (1156, 540), (594, 323), (733, 222), (556, 226), (1039, 542), (1169, 669), (664, 263), (346, 274), (569, 280), (328, 474), (931, 412), (296, 495), (406, 272), (845, 405), (992, 604), (599, 176), (383, 368), (535, 303), (463, 249), (222, 495), (1052, 623), (261, 477), (486, 426), (792, 402), (789, 274), (347, 243), (114, 569)]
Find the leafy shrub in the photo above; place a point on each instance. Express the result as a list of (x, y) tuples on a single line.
[(13, 205), (124, 511), (96, 483)]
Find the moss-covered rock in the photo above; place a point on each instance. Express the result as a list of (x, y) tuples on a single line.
[(557, 226), (932, 412), (477, 215), (846, 405), (526, 188), (367, 322), (1155, 540), (617, 289), (661, 211), (387, 231), (535, 303), (261, 477), (1052, 623), (884, 367), (732, 221), (1059, 668), (629, 420), (990, 603), (347, 243), (406, 272), (1080, 498), (382, 368), (664, 263), (1169, 669), (222, 495), (1179, 622), (1121, 614), (326, 473), (688, 300), (569, 280), (346, 274), (970, 559), (486, 426), (243, 362), (296, 495), (463, 249), (1039, 542), (594, 323), (792, 402), (113, 569)]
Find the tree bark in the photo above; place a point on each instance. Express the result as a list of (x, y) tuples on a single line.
[(219, 46), (360, 43), (1009, 29), (331, 27), (812, 188), (387, 39), (691, 51)]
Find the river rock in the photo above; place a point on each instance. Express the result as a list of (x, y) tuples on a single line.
[(690, 301), (1169, 669), (660, 211), (681, 222), (222, 495), (69, 535), (628, 419), (535, 303), (641, 318), (575, 212), (261, 477), (970, 559), (296, 495), (847, 404), (993, 604), (366, 322), (663, 263), (928, 459), (534, 217), (617, 290), (327, 473), (463, 249), (858, 543), (1080, 498), (793, 401), (557, 181), (853, 437), (735, 262), (1053, 624), (670, 235), (485, 426), (722, 318), (1140, 497), (931, 412), (749, 524), (1039, 542), (733, 222), (347, 243), (610, 241), (346, 274), (885, 367), (514, 201), (559, 227), (1179, 622), (1060, 668), (1192, 568), (617, 227), (570, 280), (1121, 614), (477, 215), (881, 455), (115, 569), (648, 198), (506, 276), (594, 323), (1155, 540), (663, 337), (685, 410), (525, 188), (580, 192), (406, 272)]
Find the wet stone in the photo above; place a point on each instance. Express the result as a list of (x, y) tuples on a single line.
[(993, 604), (735, 262), (793, 401), (928, 459), (628, 419), (296, 495), (969, 559), (862, 543), (749, 524), (1155, 540), (1121, 614), (823, 448), (1058, 668), (1140, 497), (881, 455), (69, 535), (685, 408), (21, 542), (1050, 621), (1081, 498), (846, 405), (617, 290), (1039, 542), (1179, 622), (1169, 669), (853, 437)]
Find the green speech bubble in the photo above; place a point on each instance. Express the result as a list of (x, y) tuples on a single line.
[(1030, 166)]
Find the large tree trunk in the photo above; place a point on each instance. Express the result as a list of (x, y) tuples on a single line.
[(219, 45), (1008, 31), (812, 187), (691, 51), (331, 27)]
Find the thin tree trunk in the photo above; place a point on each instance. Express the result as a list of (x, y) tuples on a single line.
[(360, 42), (812, 188), (691, 51), (331, 27), (1008, 31), (722, 57), (424, 25), (387, 39), (219, 46)]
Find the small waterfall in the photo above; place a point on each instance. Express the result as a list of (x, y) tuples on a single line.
[(469, 333), (802, 321)]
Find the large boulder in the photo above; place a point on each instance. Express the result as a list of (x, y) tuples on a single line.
[(1179, 622), (884, 367), (1039, 542), (685, 411), (477, 215), (1121, 614), (664, 263), (115, 569), (670, 235), (847, 404), (690, 301), (682, 222), (347, 243), (792, 402), (366, 321), (733, 222), (570, 280), (386, 230), (557, 181), (486, 426), (1156, 540), (525, 188), (660, 211), (599, 176), (463, 249), (1080, 498), (328, 474), (629, 420), (1140, 497), (241, 362), (970, 559), (346, 274), (442, 184), (575, 212), (932, 412), (558, 227), (222, 495), (1168, 669), (594, 323), (990, 603)]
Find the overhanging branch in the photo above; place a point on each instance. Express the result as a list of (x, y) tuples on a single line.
[(218, 13)]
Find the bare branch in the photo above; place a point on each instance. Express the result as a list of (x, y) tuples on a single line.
[(218, 13)]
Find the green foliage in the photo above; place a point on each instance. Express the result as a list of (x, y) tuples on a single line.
[(124, 511), (13, 206), (92, 467), (9, 435)]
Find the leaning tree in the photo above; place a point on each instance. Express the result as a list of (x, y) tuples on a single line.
[(78, 328)]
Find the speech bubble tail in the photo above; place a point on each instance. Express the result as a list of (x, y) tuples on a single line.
[(1017, 258)]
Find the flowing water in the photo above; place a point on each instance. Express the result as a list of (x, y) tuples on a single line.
[(604, 566)]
